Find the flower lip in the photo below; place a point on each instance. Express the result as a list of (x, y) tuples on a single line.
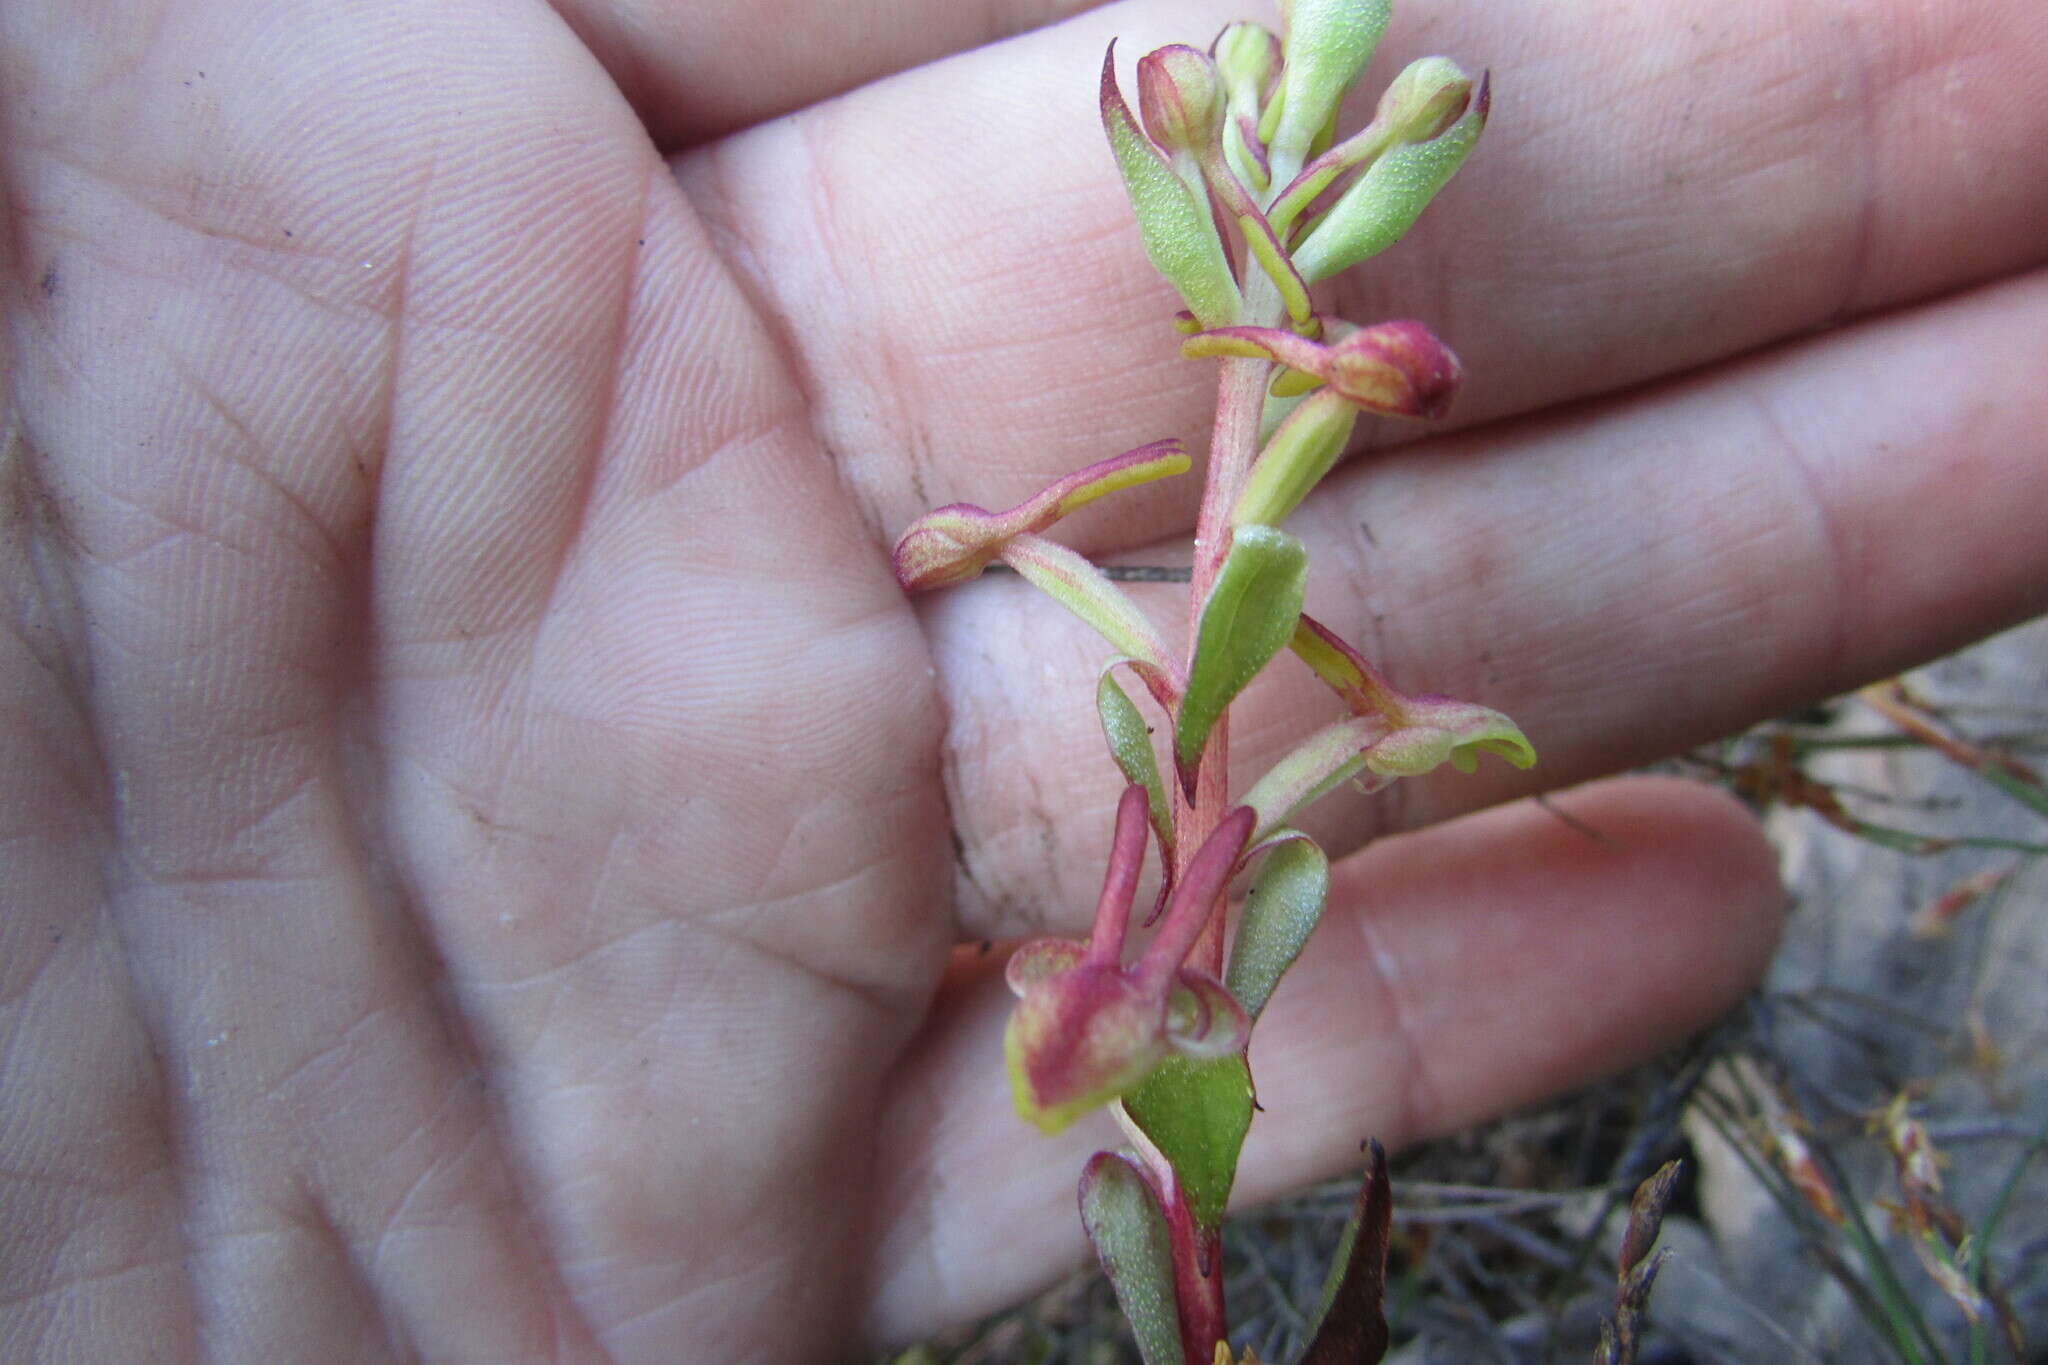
[(1086, 1027)]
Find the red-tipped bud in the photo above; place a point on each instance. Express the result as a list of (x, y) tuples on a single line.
[(1180, 97), (950, 545), (1396, 368)]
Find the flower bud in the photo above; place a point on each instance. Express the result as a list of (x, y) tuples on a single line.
[(1395, 369), (1424, 101), (1247, 59), (1086, 1028), (949, 545), (1435, 730), (1180, 98), (1417, 733), (1327, 43), (1174, 222), (1080, 1039), (956, 542), (1386, 200), (1398, 369)]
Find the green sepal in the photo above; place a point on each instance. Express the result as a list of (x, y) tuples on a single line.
[(1070, 579), (1392, 193), (1130, 1236), (1310, 771), (1197, 1113), (1177, 228), (1249, 617), (1284, 907), (1130, 744), (1304, 448)]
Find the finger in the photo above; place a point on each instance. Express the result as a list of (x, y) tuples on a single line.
[(459, 585), (210, 206), (1625, 581), (1457, 973), (695, 70), (1655, 191)]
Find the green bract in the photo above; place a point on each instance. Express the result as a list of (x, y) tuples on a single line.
[(1197, 1113), (1124, 1221), (1250, 616), (1283, 909), (1177, 229), (1130, 744)]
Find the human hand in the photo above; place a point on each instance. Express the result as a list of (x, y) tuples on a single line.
[(484, 834)]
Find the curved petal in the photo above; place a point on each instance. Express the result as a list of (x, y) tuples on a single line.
[(1203, 1019)]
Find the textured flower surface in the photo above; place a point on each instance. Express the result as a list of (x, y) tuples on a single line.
[(1087, 1027)]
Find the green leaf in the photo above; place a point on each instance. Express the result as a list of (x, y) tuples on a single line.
[(1130, 744), (1178, 230), (1249, 617), (1128, 1228), (1197, 1113), (1286, 902)]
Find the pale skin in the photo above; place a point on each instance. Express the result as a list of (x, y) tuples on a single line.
[(484, 836)]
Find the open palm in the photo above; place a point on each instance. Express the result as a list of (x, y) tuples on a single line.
[(483, 837)]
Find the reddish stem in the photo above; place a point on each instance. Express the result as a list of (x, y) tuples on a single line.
[(1197, 1283), (1233, 445), (1197, 1257)]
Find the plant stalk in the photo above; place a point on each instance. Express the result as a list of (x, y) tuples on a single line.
[(1233, 445)]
